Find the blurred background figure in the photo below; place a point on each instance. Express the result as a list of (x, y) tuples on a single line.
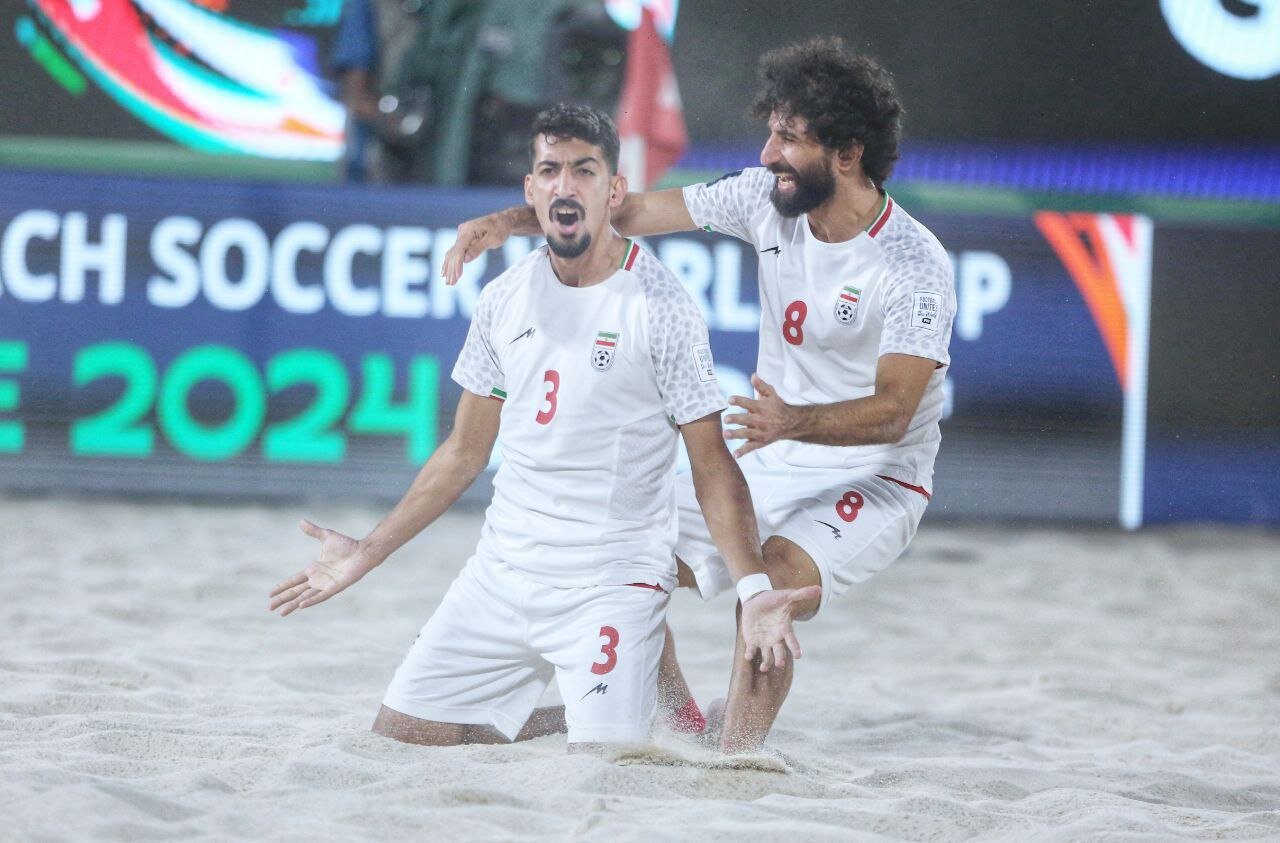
[(443, 91), (371, 41)]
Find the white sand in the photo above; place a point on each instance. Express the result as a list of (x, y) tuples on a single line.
[(995, 684)]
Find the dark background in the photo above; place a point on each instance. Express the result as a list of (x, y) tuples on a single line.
[(1215, 365), (996, 70), (999, 70)]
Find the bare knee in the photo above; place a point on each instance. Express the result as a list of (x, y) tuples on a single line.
[(401, 727), (789, 566)]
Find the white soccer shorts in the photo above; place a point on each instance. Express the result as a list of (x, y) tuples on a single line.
[(851, 522), (489, 650)]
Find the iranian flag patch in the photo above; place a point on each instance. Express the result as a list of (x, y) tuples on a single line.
[(603, 349), (847, 304)]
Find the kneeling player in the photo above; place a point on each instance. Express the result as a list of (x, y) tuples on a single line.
[(588, 357)]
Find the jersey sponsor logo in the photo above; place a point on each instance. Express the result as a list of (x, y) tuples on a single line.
[(847, 305), (601, 689), (527, 333), (777, 250), (602, 350), (833, 528), (926, 311), (702, 361)]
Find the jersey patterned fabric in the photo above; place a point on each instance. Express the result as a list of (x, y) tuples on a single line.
[(594, 381), (842, 306)]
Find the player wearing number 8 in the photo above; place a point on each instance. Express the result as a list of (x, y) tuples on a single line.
[(856, 302), (589, 359)]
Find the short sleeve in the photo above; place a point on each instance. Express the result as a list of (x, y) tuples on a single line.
[(681, 353), (919, 309), (728, 204), (478, 369)]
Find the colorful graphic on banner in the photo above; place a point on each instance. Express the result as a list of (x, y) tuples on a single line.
[(1109, 258), (206, 80)]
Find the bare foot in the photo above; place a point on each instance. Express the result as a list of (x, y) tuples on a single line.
[(710, 736)]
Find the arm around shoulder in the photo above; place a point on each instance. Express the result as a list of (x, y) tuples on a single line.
[(655, 212)]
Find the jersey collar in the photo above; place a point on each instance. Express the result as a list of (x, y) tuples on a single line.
[(886, 208)]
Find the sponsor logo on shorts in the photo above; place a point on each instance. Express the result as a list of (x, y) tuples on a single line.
[(601, 689), (834, 529)]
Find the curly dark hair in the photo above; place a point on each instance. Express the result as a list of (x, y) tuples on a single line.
[(582, 122), (844, 97)]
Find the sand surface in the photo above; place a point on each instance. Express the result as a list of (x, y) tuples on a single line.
[(995, 683)]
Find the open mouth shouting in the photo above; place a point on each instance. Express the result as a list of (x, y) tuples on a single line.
[(567, 218), (568, 237)]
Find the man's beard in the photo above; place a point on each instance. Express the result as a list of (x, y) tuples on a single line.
[(569, 248), (812, 187)]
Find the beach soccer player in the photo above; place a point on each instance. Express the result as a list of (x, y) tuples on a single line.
[(587, 358), (857, 300)]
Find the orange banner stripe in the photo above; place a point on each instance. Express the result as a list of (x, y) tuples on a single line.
[(1092, 273)]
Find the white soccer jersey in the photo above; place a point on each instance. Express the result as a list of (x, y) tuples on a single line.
[(828, 311), (594, 381)]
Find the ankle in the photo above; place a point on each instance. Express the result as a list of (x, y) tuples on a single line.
[(687, 719)]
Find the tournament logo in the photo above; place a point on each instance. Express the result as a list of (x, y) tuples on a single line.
[(847, 305), (602, 351)]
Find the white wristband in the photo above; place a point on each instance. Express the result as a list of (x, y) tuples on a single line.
[(751, 585)]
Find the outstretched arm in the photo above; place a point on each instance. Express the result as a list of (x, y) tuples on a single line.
[(725, 500), (639, 215), (453, 467)]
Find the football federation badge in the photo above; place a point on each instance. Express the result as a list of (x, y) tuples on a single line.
[(602, 350), (847, 305)]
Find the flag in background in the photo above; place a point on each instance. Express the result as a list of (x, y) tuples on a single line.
[(650, 115)]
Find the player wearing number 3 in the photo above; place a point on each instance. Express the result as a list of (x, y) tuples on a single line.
[(588, 357), (856, 302)]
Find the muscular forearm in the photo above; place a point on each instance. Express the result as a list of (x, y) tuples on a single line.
[(725, 502), (873, 420), (521, 220), (639, 215), (440, 483)]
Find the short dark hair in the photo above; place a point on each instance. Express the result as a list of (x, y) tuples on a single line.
[(581, 122), (844, 97)]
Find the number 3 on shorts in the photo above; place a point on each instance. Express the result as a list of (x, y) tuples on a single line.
[(609, 648)]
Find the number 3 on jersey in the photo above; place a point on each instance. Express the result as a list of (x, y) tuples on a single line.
[(793, 322), (548, 411)]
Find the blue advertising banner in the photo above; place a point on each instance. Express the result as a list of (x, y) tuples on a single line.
[(221, 339)]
